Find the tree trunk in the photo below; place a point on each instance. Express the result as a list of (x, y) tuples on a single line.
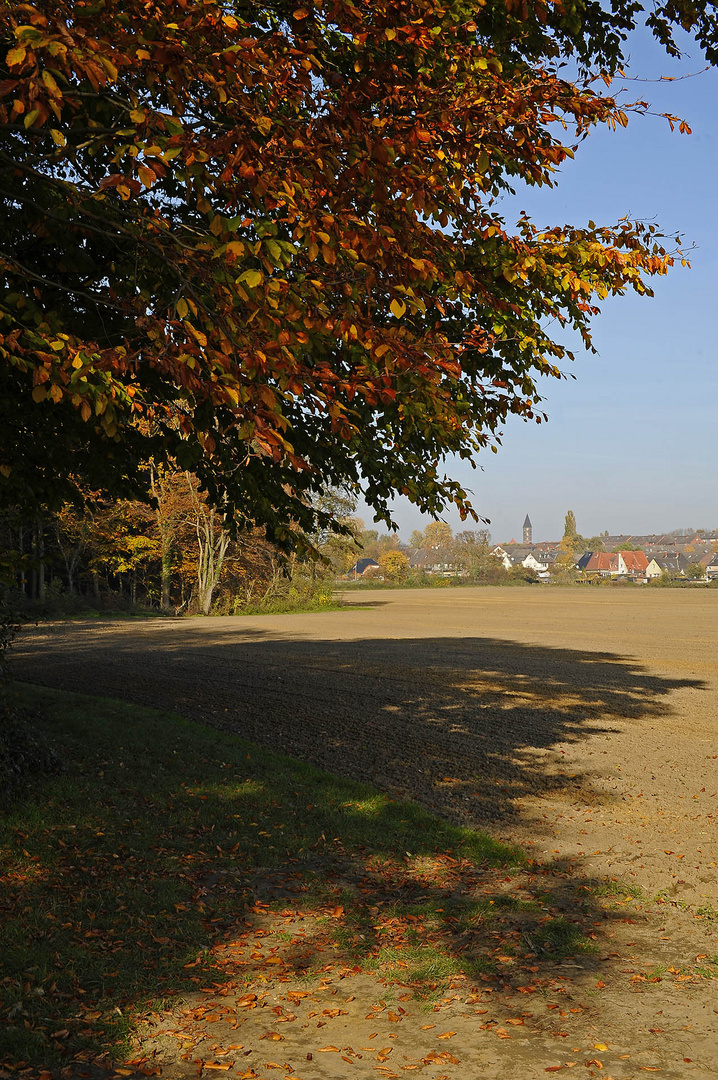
[(40, 535), (166, 572), (212, 542), (166, 530)]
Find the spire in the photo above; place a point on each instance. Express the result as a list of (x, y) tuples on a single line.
[(527, 522), (528, 531)]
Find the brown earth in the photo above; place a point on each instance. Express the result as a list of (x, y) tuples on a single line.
[(580, 722)]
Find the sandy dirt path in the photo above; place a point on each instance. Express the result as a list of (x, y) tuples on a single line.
[(581, 723)]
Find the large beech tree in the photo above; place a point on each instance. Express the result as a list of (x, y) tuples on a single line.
[(259, 239)]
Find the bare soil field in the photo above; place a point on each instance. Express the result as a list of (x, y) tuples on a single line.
[(580, 723)]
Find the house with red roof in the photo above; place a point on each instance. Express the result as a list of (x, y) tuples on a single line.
[(630, 564)]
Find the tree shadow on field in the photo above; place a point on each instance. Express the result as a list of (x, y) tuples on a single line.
[(466, 726), (175, 860)]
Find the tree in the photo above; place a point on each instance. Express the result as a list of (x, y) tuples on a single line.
[(563, 569), (472, 554), (261, 242), (695, 571), (438, 536), (571, 541), (212, 543), (374, 544), (394, 565)]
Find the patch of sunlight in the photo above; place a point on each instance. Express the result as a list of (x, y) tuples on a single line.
[(370, 807), (224, 789)]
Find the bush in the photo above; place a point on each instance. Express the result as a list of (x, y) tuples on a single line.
[(285, 596)]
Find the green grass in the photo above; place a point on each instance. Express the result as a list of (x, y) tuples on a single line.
[(149, 847)]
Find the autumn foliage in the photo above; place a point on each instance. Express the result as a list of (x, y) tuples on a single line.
[(259, 240)]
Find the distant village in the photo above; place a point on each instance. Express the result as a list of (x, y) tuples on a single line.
[(638, 558), (691, 556)]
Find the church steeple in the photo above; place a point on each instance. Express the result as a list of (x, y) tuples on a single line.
[(528, 531)]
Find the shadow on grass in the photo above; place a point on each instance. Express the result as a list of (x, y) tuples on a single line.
[(123, 881), (466, 726)]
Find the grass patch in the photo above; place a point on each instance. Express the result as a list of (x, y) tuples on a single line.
[(119, 877)]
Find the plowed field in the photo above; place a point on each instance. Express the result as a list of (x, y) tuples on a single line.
[(581, 723)]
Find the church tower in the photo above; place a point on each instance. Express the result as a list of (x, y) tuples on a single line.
[(528, 531)]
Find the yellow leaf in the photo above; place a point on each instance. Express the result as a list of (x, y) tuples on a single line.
[(38, 393), (57, 345), (252, 278), (5, 470), (57, 137), (235, 247), (138, 116), (230, 22), (15, 56), (300, 13), (55, 392), (50, 83), (109, 68), (182, 308), (146, 176), (142, 54), (390, 33), (600, 1046), (264, 124), (398, 308)]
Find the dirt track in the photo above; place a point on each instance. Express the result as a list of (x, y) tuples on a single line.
[(582, 722)]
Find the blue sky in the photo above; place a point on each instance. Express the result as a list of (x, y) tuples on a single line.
[(632, 442)]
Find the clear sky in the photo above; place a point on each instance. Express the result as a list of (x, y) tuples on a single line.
[(632, 442)]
